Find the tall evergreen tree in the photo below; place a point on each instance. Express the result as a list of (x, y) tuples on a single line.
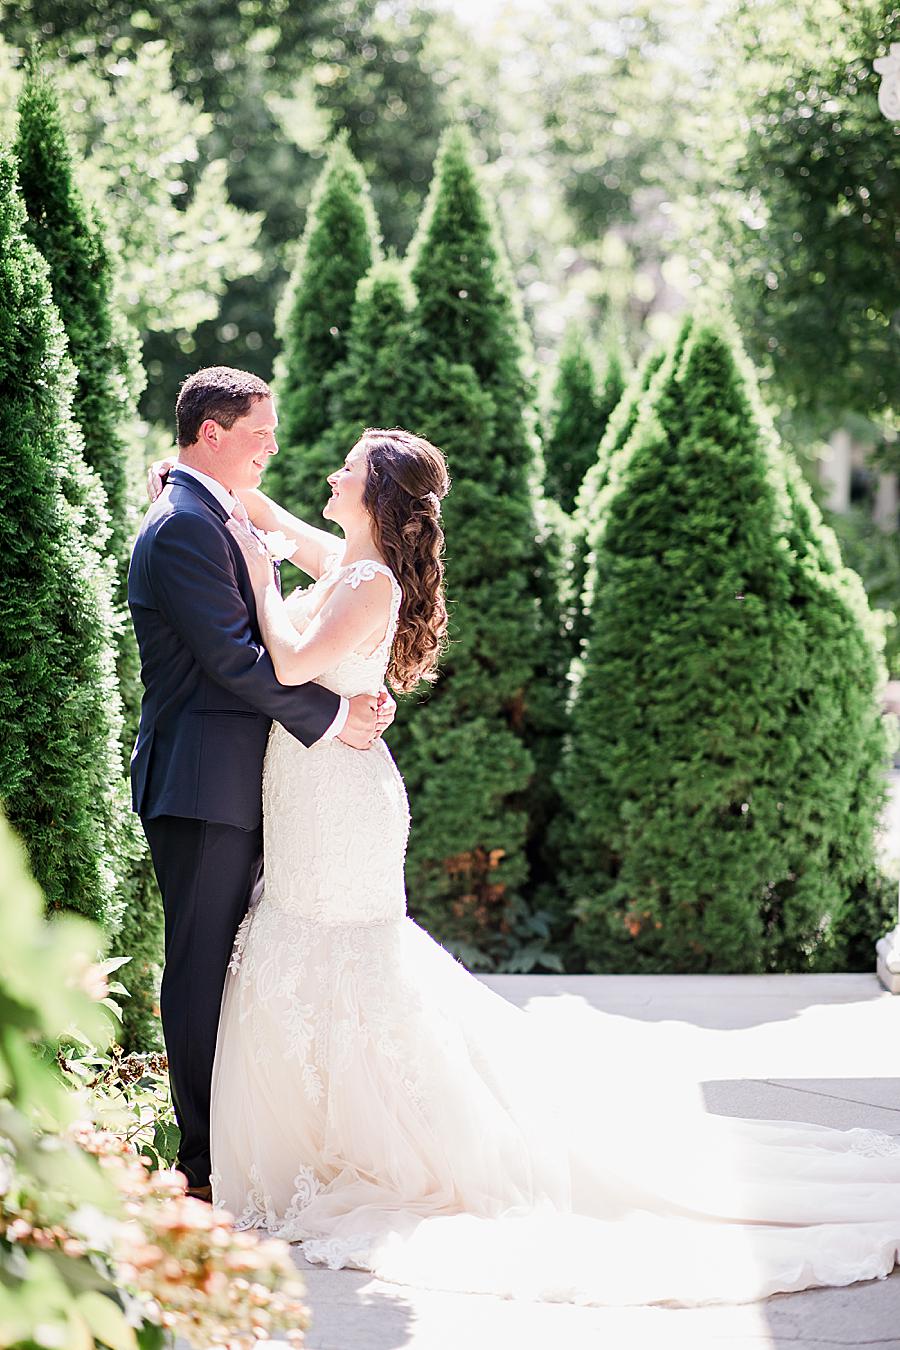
[(339, 245), (469, 752), (109, 377), (726, 718), (588, 517), (370, 387), (104, 352), (612, 388), (579, 413), (573, 428), (61, 781)]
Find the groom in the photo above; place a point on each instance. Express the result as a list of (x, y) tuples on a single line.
[(210, 696)]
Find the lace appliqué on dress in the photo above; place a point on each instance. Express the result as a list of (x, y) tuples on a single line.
[(873, 1143), (240, 941), (337, 1252), (258, 1212)]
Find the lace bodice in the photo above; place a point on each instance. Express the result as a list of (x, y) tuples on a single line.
[(360, 672)]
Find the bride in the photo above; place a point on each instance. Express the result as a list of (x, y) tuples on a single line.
[(377, 1103)]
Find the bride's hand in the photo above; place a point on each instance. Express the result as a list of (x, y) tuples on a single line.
[(156, 476), (256, 555)]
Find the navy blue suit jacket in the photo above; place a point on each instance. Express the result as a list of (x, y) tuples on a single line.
[(210, 691)]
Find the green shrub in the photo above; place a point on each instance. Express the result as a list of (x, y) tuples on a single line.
[(725, 771), (108, 380), (469, 750), (61, 780), (43, 972), (339, 245), (370, 387), (587, 518), (580, 409), (96, 1249)]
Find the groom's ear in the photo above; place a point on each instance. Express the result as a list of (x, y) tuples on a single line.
[(209, 432)]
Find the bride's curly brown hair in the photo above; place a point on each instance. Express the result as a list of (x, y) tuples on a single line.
[(406, 477)]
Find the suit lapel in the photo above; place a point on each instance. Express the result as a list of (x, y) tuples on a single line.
[(186, 480)]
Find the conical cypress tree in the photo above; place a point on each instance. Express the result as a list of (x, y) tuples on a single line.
[(612, 388), (587, 518), (105, 354), (371, 387), (108, 380), (573, 428), (61, 782), (469, 752), (724, 774), (579, 413), (339, 245)]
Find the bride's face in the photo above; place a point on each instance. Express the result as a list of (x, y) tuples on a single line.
[(345, 505)]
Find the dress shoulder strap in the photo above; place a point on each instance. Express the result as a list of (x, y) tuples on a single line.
[(365, 570)]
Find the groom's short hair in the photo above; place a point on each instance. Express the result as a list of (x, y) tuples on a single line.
[(219, 393)]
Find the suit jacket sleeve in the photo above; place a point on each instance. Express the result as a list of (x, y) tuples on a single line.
[(192, 574)]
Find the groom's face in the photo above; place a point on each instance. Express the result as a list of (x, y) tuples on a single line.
[(242, 451)]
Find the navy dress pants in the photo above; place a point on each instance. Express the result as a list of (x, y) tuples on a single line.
[(208, 875)]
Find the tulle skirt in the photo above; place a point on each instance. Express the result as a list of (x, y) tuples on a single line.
[(376, 1102)]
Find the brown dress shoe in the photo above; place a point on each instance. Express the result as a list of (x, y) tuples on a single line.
[(200, 1193)]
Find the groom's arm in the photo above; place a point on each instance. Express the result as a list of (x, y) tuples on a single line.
[(191, 572)]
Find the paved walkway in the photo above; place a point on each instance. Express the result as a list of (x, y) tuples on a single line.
[(818, 1048)]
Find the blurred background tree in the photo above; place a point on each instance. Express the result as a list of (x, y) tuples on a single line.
[(805, 173), (256, 96)]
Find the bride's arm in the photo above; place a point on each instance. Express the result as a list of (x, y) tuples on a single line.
[(346, 622), (313, 545), (349, 617)]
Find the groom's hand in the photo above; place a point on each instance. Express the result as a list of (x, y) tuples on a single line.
[(387, 711), (359, 729)]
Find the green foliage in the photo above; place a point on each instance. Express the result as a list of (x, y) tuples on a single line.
[(83, 1128), (139, 147), (875, 554), (726, 717), (107, 362), (108, 377), (43, 969), (371, 387), (60, 769), (606, 95), (810, 196), (338, 248), (270, 90), (574, 424), (588, 518), (468, 751)]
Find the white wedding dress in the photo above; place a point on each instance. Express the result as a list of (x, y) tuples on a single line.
[(376, 1102)]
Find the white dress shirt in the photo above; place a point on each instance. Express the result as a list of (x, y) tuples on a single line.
[(227, 500)]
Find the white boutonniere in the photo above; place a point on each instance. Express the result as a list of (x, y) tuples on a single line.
[(278, 546)]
